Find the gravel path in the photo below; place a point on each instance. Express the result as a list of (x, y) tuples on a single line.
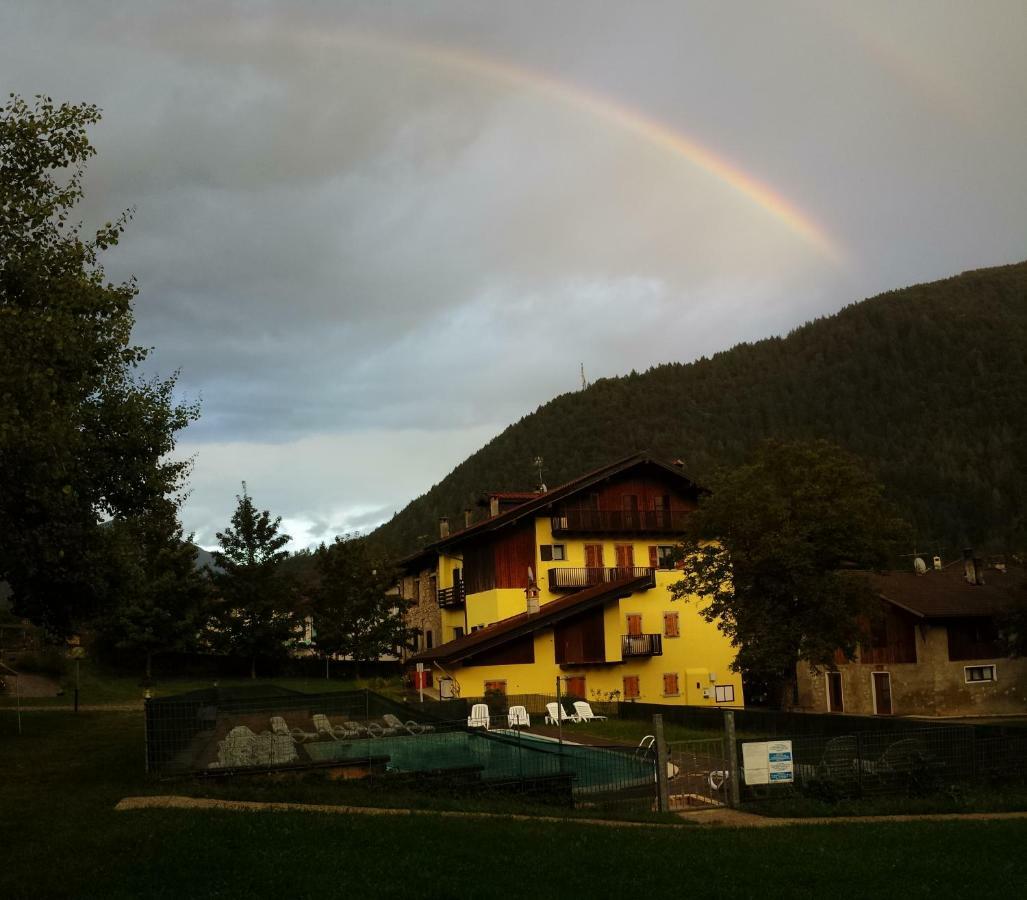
[(724, 818)]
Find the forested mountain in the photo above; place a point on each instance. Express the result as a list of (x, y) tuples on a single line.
[(927, 383)]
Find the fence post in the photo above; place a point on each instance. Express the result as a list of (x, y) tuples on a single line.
[(661, 764), (731, 758), (859, 766)]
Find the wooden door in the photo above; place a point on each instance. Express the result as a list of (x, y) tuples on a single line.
[(594, 560), (625, 560), (834, 692), (882, 693), (635, 624)]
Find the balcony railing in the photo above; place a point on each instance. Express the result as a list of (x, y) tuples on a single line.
[(452, 597), (575, 579), (621, 521), (641, 645)]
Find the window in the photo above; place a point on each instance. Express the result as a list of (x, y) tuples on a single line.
[(549, 552), (593, 556), (670, 684), (979, 673), (631, 691), (417, 589), (881, 685), (725, 693), (625, 556), (458, 631), (834, 692), (661, 557), (429, 640), (495, 687), (559, 551), (477, 627), (670, 625), (635, 624), (575, 686)]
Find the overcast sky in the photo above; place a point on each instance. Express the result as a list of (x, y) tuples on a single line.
[(372, 235)]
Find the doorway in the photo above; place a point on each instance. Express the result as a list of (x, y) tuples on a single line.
[(882, 693), (835, 702)]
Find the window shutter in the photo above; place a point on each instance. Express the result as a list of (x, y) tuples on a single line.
[(545, 552), (653, 561), (670, 624), (670, 683), (631, 687)]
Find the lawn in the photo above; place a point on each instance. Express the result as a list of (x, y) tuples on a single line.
[(61, 837), (99, 686)]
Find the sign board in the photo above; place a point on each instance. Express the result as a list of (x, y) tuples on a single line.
[(768, 762)]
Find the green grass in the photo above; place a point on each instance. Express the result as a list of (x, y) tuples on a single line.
[(960, 798), (99, 686), (60, 837), (631, 731)]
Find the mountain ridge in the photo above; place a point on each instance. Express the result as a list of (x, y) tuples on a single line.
[(928, 383)]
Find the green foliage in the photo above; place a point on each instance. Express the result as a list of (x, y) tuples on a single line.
[(47, 661), (157, 600), (353, 613), (82, 438), (255, 600), (927, 384), (767, 548)]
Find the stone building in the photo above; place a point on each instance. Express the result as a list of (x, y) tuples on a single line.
[(934, 651)]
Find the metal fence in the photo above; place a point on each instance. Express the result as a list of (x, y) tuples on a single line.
[(361, 734), (914, 761)]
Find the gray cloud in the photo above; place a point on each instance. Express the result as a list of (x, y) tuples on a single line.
[(372, 235)]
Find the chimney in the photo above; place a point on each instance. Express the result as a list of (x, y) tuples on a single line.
[(443, 527), (973, 567), (467, 518), (493, 506)]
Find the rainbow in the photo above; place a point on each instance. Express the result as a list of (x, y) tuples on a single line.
[(598, 105)]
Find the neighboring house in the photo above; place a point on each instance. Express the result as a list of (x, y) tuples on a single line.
[(934, 651), (573, 582)]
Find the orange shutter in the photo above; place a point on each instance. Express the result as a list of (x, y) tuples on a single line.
[(631, 691), (653, 561), (635, 624), (670, 683), (670, 625)]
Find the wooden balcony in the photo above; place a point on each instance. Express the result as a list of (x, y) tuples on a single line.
[(568, 579), (452, 597), (635, 645), (620, 521)]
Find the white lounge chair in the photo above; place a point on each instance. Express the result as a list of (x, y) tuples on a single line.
[(517, 716), (479, 717), (280, 728), (584, 710), (555, 712), (410, 726), (326, 728)]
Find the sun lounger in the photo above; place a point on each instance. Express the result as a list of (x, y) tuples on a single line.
[(395, 723), (479, 717), (376, 730), (555, 712), (584, 711), (517, 716)]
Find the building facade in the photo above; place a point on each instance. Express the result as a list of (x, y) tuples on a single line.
[(933, 651), (574, 583)]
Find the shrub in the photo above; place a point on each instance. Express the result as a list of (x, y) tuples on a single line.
[(48, 661)]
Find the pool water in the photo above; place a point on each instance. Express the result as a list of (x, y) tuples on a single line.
[(500, 755)]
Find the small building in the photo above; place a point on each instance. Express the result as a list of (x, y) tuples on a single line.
[(574, 583), (933, 651)]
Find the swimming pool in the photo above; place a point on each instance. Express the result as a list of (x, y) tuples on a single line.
[(501, 756)]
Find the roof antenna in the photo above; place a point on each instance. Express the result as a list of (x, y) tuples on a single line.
[(541, 483)]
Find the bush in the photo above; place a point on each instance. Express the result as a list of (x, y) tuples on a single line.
[(48, 661)]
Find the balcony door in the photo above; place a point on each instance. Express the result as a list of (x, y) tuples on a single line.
[(625, 560), (593, 563)]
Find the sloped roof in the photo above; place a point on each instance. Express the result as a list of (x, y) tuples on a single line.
[(541, 501), (549, 614), (947, 594)]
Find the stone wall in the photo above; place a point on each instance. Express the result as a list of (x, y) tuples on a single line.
[(424, 614), (932, 686)]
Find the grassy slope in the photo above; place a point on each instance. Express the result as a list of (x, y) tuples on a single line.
[(101, 687), (60, 837)]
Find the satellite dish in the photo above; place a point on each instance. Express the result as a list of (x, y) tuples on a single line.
[(920, 566)]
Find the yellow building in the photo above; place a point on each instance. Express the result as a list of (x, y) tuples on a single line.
[(598, 553)]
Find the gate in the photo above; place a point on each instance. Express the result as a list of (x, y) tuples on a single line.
[(698, 772)]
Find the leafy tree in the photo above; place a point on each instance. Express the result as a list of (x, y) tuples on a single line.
[(157, 598), (770, 554), (255, 599), (83, 438), (354, 613)]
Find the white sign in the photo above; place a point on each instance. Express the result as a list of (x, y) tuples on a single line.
[(768, 762)]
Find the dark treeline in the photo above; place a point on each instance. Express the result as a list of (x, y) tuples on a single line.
[(928, 384)]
